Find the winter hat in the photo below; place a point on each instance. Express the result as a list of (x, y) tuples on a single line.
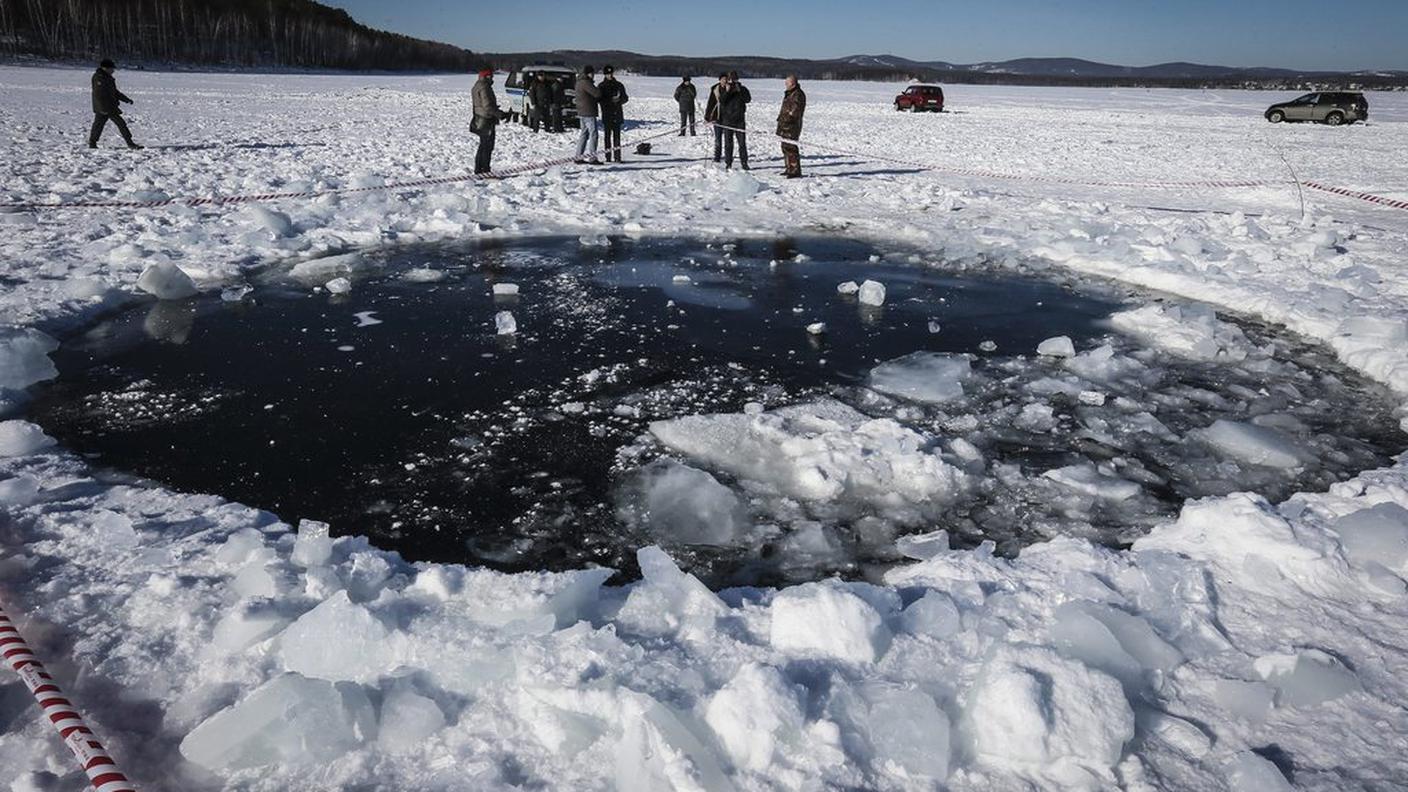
[(609, 69), (686, 78), (486, 72), (107, 64)]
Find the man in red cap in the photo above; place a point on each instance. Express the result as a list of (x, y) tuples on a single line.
[(486, 120)]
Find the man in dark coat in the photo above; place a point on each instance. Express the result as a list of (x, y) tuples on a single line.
[(613, 96), (106, 99), (486, 120), (711, 116), (540, 96), (733, 114), (789, 126), (559, 100), (685, 94)]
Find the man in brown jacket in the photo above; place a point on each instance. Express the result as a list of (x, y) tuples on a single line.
[(789, 125)]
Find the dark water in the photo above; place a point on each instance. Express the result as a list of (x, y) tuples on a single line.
[(441, 439)]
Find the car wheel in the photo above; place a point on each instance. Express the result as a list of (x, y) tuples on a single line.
[(1334, 119), (1275, 116), (914, 108), (897, 107)]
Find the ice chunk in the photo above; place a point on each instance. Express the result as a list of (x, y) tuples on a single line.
[(1036, 417), (1060, 347), (1189, 331), (111, 530), (934, 327), (1247, 700), (235, 293), (922, 547), (407, 719), (338, 286), (1378, 534), (315, 272), (244, 626), (820, 451), (1248, 772), (1256, 445), (681, 504), (1032, 708), (241, 546), (166, 281), (1307, 678), (933, 614), (754, 716), (743, 185), (658, 752), (1086, 478), (504, 323), (277, 223), (505, 289), (816, 328), (289, 720), (682, 279), (1120, 644), (22, 438), (872, 293), (313, 547), (669, 601), (904, 732), (847, 287), (364, 647), (827, 620), (423, 275), (928, 377), (24, 358)]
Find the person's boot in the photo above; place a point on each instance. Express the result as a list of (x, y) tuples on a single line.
[(91, 144)]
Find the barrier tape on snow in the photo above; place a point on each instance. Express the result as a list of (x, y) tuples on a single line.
[(985, 174), (230, 200), (102, 771)]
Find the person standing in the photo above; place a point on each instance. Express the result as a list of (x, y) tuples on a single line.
[(789, 126), (588, 107), (559, 100), (106, 101), (711, 116), (540, 94), (486, 119), (613, 96), (685, 95), (733, 114)]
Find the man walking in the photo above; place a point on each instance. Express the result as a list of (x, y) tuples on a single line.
[(106, 99), (540, 95), (733, 113), (711, 116), (588, 103), (685, 95), (789, 126), (485, 123), (613, 96)]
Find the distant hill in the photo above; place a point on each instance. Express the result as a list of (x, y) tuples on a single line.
[(282, 33), (1022, 71)]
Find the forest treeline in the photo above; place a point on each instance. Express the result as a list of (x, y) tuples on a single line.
[(281, 33)]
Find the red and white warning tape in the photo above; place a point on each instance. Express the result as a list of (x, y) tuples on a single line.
[(985, 174), (230, 200), (102, 771)]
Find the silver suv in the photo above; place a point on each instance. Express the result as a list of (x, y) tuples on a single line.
[(1327, 107)]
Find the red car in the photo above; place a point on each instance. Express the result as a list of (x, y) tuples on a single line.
[(921, 97)]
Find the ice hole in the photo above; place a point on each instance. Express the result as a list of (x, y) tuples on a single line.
[(676, 392)]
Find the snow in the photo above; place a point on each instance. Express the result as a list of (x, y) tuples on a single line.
[(1240, 630)]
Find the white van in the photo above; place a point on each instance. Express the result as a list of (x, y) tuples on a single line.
[(519, 102)]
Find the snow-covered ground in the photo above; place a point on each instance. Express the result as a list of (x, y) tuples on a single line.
[(1244, 645)]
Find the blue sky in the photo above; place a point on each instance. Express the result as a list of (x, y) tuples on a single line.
[(1306, 34)]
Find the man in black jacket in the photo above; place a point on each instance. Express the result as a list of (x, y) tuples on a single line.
[(559, 101), (733, 113), (540, 97), (613, 96), (685, 94), (106, 98)]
